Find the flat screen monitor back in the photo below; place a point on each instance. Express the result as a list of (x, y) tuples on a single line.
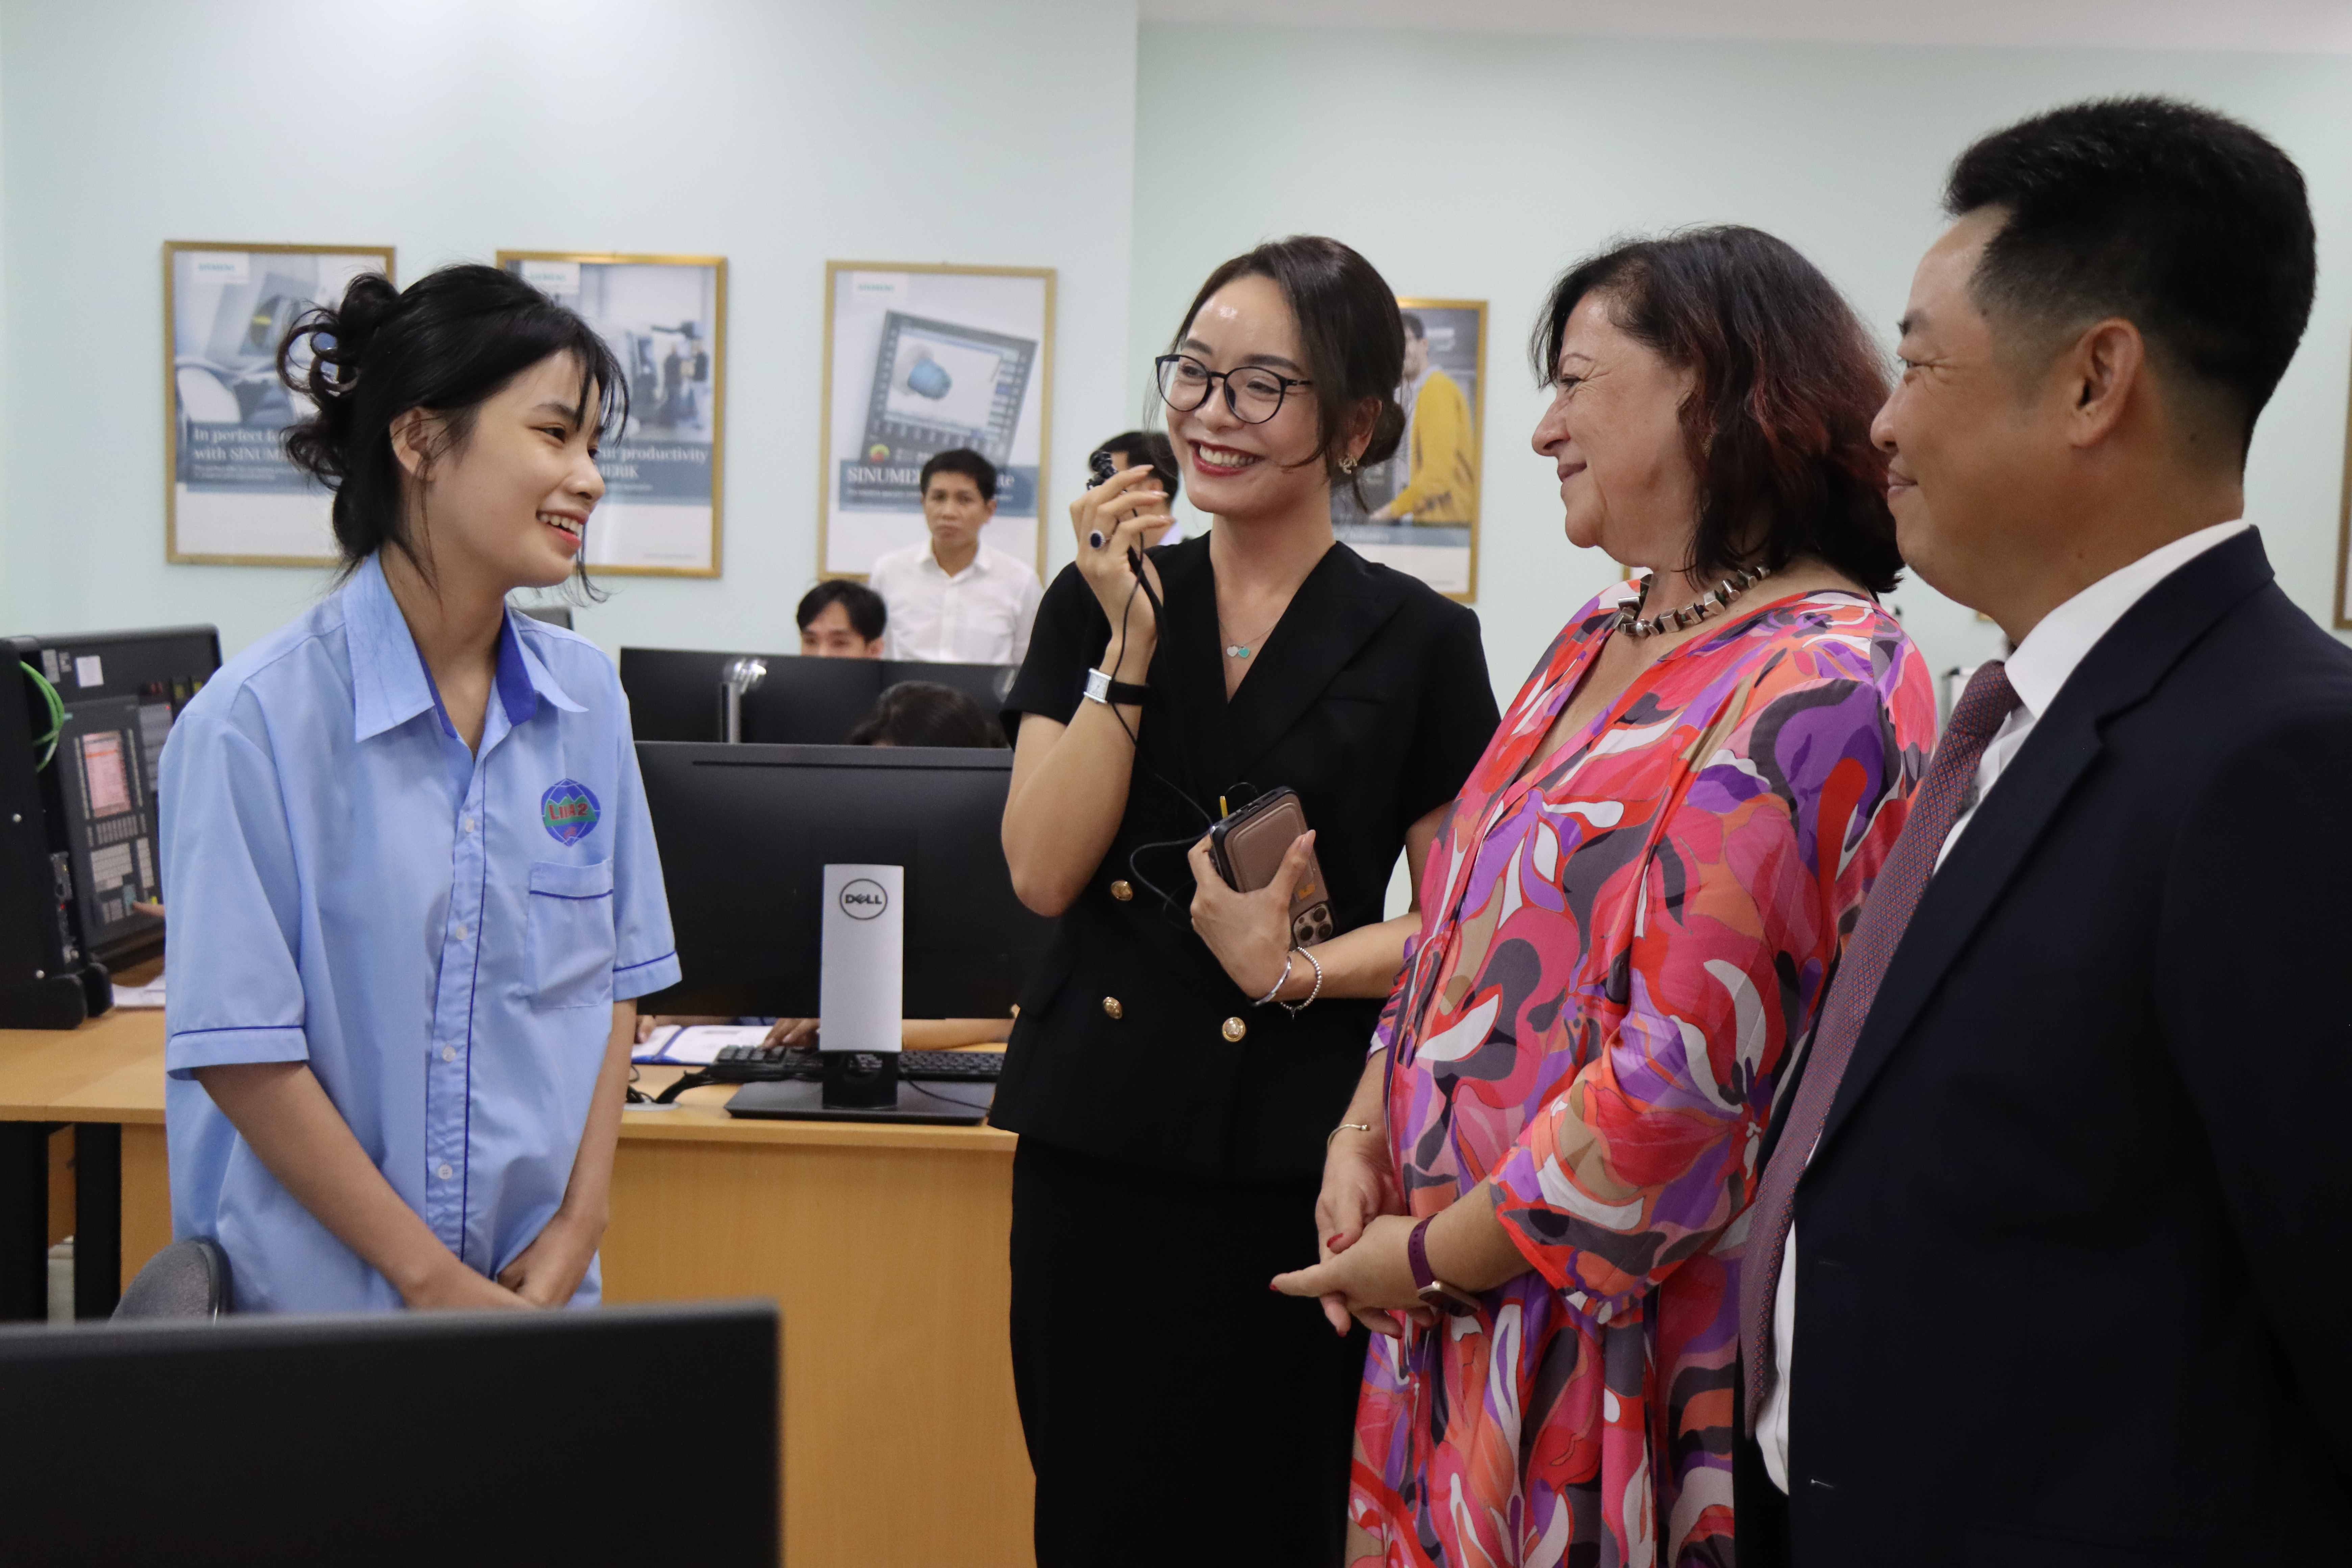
[(396, 1439), (674, 693), (985, 684), (746, 832)]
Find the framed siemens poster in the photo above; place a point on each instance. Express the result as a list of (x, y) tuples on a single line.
[(229, 494), (665, 318), (921, 360), (1421, 514)]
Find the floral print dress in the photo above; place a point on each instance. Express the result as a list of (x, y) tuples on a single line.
[(1617, 952)]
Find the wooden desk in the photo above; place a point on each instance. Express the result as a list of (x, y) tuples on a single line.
[(884, 1245)]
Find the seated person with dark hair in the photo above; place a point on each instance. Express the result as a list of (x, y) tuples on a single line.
[(922, 713), (842, 619), (1133, 448), (954, 600)]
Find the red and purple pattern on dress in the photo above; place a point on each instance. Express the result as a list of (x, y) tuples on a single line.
[(1617, 952)]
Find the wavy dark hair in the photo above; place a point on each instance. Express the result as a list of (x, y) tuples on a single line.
[(1349, 329), (1788, 382), (447, 344), (923, 713)]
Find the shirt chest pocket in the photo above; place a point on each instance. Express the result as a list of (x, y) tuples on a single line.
[(572, 936)]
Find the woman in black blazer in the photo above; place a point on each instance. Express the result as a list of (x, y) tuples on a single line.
[(1176, 1067)]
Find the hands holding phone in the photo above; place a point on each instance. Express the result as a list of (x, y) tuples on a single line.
[(1250, 933)]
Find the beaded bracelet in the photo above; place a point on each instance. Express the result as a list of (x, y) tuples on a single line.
[(1295, 1008)]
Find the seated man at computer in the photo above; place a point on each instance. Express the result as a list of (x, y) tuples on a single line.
[(953, 600), (842, 619)]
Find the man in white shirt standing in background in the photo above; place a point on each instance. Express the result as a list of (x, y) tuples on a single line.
[(954, 600)]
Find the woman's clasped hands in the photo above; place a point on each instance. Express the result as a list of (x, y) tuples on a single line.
[(1360, 1227)]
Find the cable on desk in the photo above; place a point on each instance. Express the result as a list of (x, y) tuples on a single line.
[(948, 1098), (684, 1081)]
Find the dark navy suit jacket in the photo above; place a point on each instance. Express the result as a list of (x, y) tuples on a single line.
[(2075, 1278)]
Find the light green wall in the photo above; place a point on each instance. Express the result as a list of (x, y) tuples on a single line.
[(777, 134), (1477, 166), (1047, 132)]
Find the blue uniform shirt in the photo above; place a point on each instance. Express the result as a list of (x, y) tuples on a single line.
[(440, 934)]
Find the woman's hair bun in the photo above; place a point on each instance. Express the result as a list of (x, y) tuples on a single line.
[(334, 338)]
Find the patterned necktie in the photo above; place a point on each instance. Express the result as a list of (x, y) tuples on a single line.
[(1951, 777)]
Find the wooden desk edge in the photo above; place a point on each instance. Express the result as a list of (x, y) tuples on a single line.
[(112, 1070), (709, 1122)]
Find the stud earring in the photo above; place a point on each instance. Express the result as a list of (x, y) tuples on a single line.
[(1347, 465)]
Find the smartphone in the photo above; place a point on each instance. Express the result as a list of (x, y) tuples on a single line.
[(1247, 848), (1103, 468)]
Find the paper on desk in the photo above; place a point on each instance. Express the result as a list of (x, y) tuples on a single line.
[(695, 1044), (148, 995)]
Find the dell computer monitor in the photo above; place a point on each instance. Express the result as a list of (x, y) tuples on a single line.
[(322, 1439), (746, 832), (676, 694)]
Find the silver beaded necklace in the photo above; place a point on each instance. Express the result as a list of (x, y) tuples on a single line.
[(1629, 617)]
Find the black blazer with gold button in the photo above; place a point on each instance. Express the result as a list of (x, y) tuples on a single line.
[(1370, 699)]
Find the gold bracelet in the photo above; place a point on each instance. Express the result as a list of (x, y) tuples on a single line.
[(1346, 1127)]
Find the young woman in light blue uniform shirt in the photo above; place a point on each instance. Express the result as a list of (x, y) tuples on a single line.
[(413, 887)]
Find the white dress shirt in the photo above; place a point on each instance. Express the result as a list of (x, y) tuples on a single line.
[(2036, 672), (980, 615)]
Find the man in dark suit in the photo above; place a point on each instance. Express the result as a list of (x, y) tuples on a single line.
[(2051, 1210)]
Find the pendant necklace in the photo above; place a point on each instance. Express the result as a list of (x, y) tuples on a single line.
[(1243, 649), (1630, 621)]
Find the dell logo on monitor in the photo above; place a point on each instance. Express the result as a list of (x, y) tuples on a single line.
[(864, 900)]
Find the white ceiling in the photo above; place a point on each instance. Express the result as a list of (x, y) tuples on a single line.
[(2267, 26)]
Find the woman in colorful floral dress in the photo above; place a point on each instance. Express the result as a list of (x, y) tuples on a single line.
[(1632, 915)]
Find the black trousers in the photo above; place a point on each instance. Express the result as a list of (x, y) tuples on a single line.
[(1177, 1411)]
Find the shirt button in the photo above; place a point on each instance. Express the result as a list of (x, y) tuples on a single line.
[(444, 1173), (448, 1053), (1112, 1010), (1234, 1029), (469, 824), (1122, 891), (461, 933)]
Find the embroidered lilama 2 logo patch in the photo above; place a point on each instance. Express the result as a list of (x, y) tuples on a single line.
[(569, 810)]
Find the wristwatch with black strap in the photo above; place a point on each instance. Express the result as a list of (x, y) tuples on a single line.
[(1101, 687), (1435, 1293)]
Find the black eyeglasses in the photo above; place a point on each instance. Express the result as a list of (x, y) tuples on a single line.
[(1254, 392)]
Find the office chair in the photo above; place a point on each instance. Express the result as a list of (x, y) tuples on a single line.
[(186, 1279)]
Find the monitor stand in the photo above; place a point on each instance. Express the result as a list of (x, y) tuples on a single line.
[(865, 1087)]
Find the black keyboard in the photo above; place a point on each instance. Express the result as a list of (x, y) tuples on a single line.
[(952, 1067), (770, 1064), (761, 1063)]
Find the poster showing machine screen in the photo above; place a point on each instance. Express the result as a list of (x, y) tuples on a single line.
[(923, 359), (665, 318), (230, 496)]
